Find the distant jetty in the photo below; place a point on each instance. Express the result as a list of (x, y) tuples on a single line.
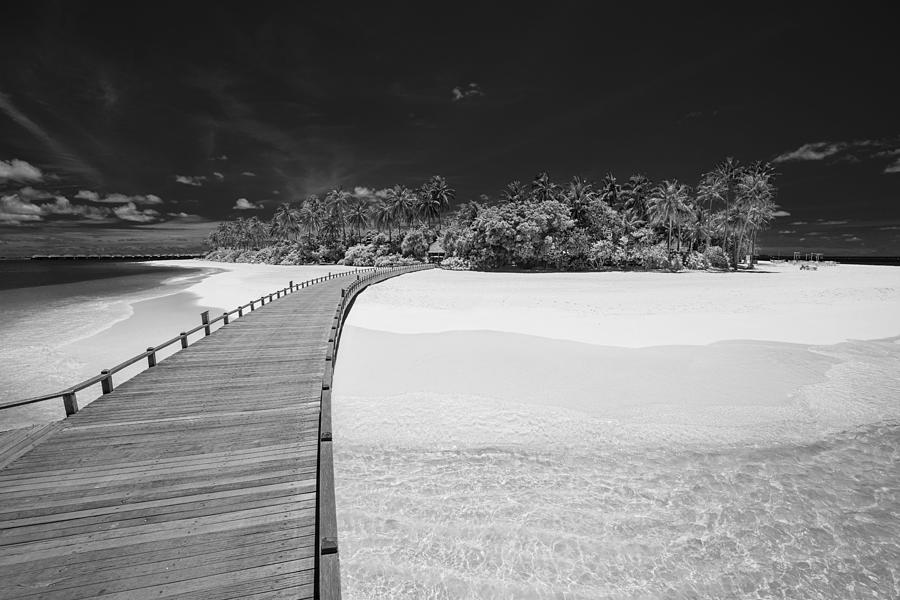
[(114, 257)]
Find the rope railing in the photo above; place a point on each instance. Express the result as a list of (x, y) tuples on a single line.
[(328, 580), (105, 378)]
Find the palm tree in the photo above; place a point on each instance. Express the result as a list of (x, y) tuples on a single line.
[(257, 232), (755, 205), (513, 192), (610, 191), (668, 205), (310, 216), (337, 201), (437, 197), (286, 222), (634, 194), (542, 188), (579, 195), (401, 200), (383, 217), (724, 182), (359, 216)]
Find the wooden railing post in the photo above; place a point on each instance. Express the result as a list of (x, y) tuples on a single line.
[(240, 311), (151, 358), (291, 285), (70, 402), (183, 336), (251, 305), (204, 319), (106, 384), (225, 318)]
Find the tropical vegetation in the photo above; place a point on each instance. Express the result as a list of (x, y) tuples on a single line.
[(575, 225)]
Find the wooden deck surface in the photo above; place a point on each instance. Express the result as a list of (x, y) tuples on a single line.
[(195, 479)]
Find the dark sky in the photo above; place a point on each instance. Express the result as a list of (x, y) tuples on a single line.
[(125, 114)]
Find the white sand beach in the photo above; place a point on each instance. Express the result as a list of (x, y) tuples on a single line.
[(621, 434)]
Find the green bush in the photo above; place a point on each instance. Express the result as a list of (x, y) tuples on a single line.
[(716, 258)]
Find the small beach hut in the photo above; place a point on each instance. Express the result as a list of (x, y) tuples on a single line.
[(436, 253)]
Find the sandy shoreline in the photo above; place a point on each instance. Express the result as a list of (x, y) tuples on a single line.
[(634, 309), (99, 331)]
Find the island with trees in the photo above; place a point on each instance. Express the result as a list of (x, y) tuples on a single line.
[(545, 225)]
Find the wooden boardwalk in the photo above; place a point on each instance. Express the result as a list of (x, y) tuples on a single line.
[(195, 479)]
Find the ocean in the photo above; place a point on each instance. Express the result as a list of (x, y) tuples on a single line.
[(58, 324)]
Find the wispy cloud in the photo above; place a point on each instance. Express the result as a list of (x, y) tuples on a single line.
[(19, 170), (244, 204), (840, 151), (469, 91), (140, 199), (812, 151), (194, 180), (799, 223), (781, 213), (218, 176), (833, 222), (248, 174), (66, 159)]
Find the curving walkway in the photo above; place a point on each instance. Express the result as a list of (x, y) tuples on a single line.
[(195, 479)]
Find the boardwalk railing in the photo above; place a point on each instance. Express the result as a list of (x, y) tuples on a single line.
[(105, 378), (327, 583), (328, 580)]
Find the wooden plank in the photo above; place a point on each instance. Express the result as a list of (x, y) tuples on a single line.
[(204, 477)]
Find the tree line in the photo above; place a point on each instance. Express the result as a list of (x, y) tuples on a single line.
[(576, 225)]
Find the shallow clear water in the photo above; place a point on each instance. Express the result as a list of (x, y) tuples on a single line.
[(48, 308), (458, 496)]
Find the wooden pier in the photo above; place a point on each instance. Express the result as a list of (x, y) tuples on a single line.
[(209, 475)]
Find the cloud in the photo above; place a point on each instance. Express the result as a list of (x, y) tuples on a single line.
[(130, 212), (469, 91), (19, 170), (218, 175), (781, 213), (195, 180), (140, 199), (276, 192), (812, 151), (15, 210), (799, 223), (62, 206), (244, 204), (248, 174), (787, 231), (88, 195), (853, 239), (854, 151), (222, 157), (21, 207), (833, 222), (890, 228)]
